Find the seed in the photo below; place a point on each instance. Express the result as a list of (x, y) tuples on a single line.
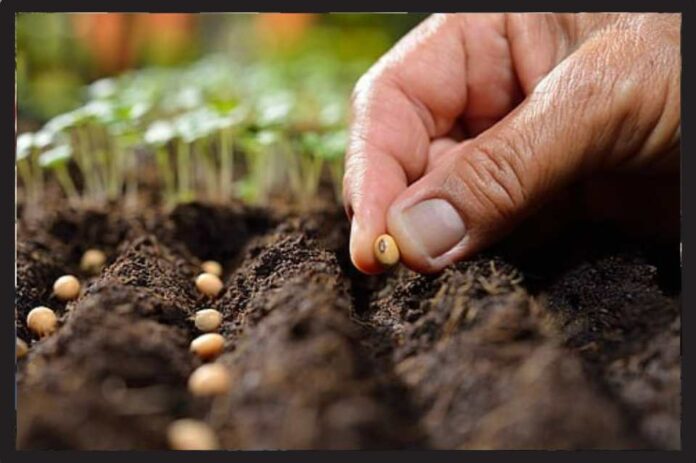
[(208, 346), (210, 266), (209, 284), (42, 321), (22, 349), (208, 320), (209, 379), (386, 250), (188, 434), (66, 288), (92, 261)]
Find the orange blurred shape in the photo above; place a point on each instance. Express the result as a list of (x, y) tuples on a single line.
[(283, 29), (114, 39), (106, 37), (168, 33)]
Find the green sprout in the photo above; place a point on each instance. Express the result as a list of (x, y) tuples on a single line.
[(57, 160), (159, 136)]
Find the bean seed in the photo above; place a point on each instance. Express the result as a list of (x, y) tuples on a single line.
[(209, 284), (42, 321), (209, 380), (188, 434), (67, 288), (211, 266), (208, 320), (92, 261), (386, 251), (208, 346), (22, 349)]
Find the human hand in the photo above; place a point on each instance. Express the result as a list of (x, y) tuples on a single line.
[(473, 121)]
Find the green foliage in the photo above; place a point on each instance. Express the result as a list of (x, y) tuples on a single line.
[(213, 130)]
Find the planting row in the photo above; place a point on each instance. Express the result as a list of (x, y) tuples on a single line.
[(293, 349)]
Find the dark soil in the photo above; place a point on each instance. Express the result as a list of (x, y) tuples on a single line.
[(573, 345)]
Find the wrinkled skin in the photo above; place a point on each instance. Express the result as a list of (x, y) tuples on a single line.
[(501, 114)]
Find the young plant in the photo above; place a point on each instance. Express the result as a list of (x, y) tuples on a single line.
[(57, 160), (25, 167), (159, 136)]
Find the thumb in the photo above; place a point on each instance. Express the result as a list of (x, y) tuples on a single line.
[(576, 121)]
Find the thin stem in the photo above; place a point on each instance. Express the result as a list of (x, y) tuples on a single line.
[(24, 170), (183, 154), (226, 164), (89, 173), (165, 168), (66, 182)]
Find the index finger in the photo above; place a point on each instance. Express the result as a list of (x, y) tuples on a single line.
[(397, 108)]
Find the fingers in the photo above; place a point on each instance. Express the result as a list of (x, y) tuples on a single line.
[(415, 94), (591, 112), (394, 116)]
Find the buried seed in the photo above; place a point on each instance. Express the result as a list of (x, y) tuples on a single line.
[(208, 320), (42, 321), (209, 284), (22, 349), (208, 346), (66, 288), (211, 266), (386, 251), (209, 379), (188, 434), (92, 261)]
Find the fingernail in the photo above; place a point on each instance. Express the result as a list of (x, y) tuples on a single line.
[(353, 243), (434, 225)]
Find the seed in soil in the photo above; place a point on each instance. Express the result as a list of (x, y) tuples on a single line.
[(211, 266), (208, 346), (67, 288), (188, 434), (207, 320), (386, 250), (22, 349), (209, 284), (42, 321), (92, 261), (209, 379)]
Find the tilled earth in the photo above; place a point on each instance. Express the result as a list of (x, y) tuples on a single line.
[(574, 345)]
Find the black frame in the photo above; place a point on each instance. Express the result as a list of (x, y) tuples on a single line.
[(8, 10)]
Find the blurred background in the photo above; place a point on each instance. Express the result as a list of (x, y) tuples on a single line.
[(58, 53)]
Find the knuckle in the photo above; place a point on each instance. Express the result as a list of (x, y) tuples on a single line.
[(494, 176)]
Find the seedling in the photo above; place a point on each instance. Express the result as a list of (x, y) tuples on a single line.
[(66, 288), (386, 250), (92, 261), (57, 160), (210, 380), (189, 434), (211, 266), (209, 284), (207, 320), (21, 350), (208, 346), (42, 321)]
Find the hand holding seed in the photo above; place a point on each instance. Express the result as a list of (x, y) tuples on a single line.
[(472, 122)]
